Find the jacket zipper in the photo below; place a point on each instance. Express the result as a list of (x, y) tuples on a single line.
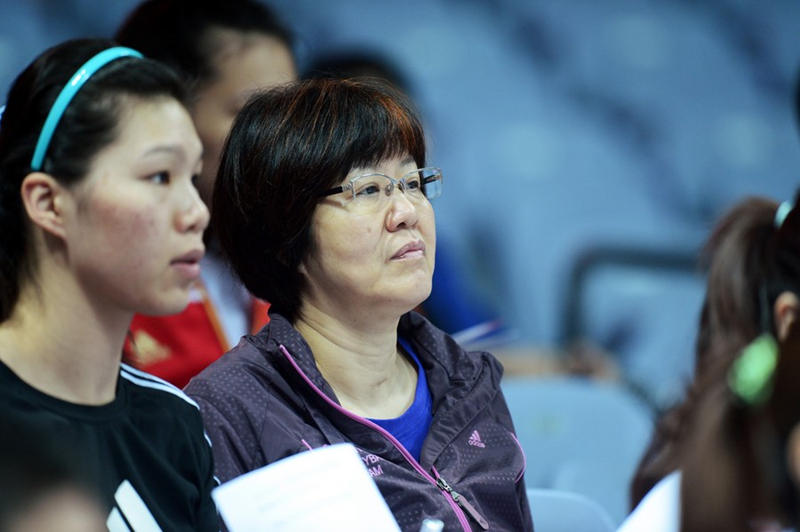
[(461, 501), (448, 494)]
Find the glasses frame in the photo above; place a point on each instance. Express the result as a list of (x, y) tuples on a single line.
[(400, 183)]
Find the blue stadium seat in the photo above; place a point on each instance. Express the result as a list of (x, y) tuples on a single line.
[(564, 511), (580, 435)]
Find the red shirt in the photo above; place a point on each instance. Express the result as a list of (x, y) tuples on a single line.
[(178, 347)]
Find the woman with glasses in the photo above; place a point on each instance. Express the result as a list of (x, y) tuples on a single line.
[(325, 197)]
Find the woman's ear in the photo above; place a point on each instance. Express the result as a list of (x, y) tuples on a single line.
[(793, 454), (786, 308), (43, 199)]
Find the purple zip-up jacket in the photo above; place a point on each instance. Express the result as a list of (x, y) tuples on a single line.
[(266, 400)]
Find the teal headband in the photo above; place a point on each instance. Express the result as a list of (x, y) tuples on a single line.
[(782, 212), (68, 93)]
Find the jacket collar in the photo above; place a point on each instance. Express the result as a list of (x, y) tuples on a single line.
[(461, 384)]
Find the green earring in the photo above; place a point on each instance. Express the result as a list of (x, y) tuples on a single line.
[(750, 377)]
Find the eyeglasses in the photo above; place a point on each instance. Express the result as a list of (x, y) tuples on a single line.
[(371, 192)]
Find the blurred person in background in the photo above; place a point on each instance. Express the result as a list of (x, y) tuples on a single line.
[(741, 471), (752, 287), (225, 51), (44, 488)]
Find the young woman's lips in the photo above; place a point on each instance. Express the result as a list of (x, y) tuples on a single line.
[(412, 250), (188, 264)]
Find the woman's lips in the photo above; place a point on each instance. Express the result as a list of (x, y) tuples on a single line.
[(188, 264), (411, 250)]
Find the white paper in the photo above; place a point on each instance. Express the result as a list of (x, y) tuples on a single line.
[(659, 510), (327, 488)]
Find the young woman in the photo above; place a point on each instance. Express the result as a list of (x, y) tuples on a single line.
[(753, 293), (99, 219), (225, 51), (326, 198)]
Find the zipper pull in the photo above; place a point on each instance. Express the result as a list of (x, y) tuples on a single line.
[(463, 503)]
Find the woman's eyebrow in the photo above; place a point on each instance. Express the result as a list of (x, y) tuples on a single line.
[(175, 150), (171, 149)]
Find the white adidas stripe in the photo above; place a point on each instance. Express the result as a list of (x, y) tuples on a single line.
[(134, 509), (146, 380), (151, 381), (116, 523)]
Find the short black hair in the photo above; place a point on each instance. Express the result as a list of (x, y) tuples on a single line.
[(288, 146)]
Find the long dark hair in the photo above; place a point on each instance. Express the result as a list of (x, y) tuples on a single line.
[(89, 123), (734, 471), (750, 262)]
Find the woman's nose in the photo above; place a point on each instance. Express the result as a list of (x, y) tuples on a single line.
[(194, 216), (402, 212)]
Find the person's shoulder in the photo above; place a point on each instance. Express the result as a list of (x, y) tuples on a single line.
[(443, 347), (142, 387), (250, 358), (243, 377)]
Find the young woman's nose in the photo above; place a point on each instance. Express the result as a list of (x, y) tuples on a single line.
[(194, 215)]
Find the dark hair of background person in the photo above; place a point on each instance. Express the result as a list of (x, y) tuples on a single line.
[(34, 464), (357, 64), (89, 124), (797, 99), (178, 32), (287, 147), (750, 264), (737, 470)]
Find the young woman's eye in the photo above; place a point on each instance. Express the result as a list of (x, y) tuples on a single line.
[(161, 178), (195, 179)]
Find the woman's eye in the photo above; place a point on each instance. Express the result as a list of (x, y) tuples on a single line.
[(413, 184), (161, 178), (368, 189), (195, 179)]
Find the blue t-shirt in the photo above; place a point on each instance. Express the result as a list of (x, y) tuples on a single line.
[(413, 424)]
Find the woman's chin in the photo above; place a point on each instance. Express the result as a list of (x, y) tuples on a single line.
[(417, 298), (165, 306)]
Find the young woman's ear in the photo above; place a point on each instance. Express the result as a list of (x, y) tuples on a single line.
[(786, 308), (43, 199), (793, 454)]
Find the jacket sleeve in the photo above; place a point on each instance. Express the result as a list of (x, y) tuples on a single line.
[(233, 440), (501, 409), (524, 505)]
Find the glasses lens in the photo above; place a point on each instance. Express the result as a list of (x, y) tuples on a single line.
[(369, 191), (431, 181), (412, 184), (368, 187), (372, 191)]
